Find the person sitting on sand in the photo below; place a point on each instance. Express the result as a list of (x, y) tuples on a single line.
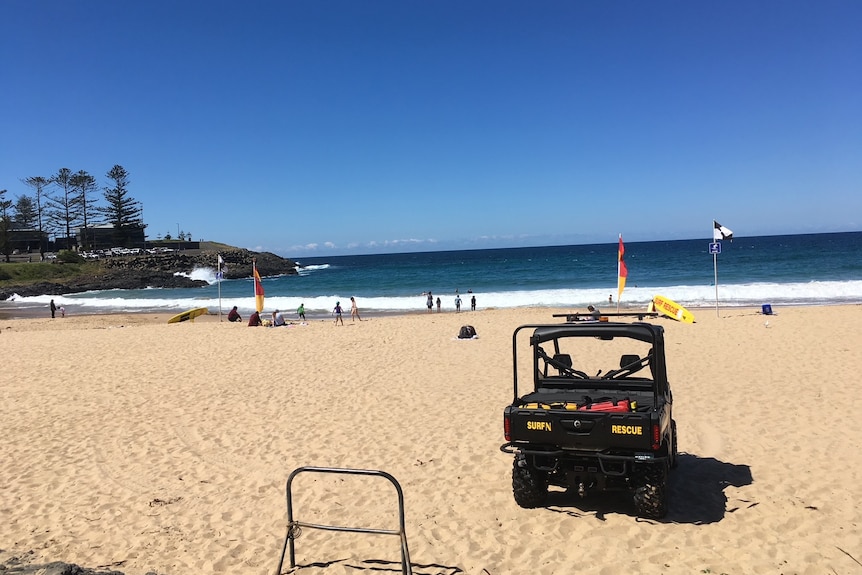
[(277, 318), (594, 312), (254, 320), (233, 315)]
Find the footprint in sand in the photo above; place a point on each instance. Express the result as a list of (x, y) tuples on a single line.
[(707, 441)]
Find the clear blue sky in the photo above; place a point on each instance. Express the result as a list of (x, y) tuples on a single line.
[(339, 127)]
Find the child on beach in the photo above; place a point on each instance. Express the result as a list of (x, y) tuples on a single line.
[(337, 311), (300, 311), (354, 311)]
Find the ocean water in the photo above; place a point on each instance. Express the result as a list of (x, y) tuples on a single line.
[(779, 270)]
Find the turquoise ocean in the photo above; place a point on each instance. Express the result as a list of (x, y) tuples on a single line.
[(811, 269)]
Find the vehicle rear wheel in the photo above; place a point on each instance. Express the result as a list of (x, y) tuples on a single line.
[(529, 485), (650, 494)]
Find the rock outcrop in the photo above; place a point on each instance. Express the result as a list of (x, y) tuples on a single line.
[(158, 271)]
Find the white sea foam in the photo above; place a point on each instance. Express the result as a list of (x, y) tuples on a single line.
[(306, 270), (732, 295), (203, 273)]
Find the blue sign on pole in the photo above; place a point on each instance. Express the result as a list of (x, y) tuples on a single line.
[(715, 248)]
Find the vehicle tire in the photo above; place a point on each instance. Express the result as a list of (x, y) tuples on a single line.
[(650, 494), (674, 459), (529, 485)]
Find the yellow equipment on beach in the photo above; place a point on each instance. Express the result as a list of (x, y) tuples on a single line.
[(188, 315), (671, 309)]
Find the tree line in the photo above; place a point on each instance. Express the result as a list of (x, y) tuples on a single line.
[(67, 201)]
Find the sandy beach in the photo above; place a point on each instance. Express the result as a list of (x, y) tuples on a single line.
[(139, 446)]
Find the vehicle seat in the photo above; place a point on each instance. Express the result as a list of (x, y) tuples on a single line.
[(564, 359), (631, 364)]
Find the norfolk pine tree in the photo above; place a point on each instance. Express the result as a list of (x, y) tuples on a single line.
[(5, 225), (65, 208), (122, 209), (84, 185), (25, 212), (38, 185)]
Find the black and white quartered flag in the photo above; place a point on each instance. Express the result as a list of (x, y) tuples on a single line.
[(720, 232)]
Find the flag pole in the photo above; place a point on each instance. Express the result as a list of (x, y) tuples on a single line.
[(218, 279), (715, 266), (715, 270)]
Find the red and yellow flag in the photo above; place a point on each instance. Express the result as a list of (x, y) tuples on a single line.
[(258, 289), (622, 272)]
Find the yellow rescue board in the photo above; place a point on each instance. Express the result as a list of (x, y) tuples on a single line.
[(671, 309), (188, 315)]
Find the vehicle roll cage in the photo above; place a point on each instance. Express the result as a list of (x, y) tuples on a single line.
[(645, 332)]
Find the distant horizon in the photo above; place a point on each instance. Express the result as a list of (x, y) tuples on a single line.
[(736, 237)]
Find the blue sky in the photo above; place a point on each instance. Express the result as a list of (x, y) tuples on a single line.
[(341, 127)]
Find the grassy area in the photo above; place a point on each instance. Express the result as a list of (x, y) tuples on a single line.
[(216, 247), (27, 273)]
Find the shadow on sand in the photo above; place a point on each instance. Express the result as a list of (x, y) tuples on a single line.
[(695, 492)]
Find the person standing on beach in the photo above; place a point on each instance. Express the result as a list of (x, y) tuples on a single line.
[(301, 311), (430, 302), (457, 303), (473, 303), (354, 311), (438, 304), (337, 311), (53, 309)]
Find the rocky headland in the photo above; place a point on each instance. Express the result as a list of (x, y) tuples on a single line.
[(163, 270)]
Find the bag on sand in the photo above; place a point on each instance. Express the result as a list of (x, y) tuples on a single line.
[(467, 331)]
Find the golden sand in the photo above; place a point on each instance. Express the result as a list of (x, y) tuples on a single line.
[(140, 446)]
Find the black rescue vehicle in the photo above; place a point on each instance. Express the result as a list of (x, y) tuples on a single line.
[(599, 414)]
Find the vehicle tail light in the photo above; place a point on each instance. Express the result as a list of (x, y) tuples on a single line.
[(507, 428), (656, 437)]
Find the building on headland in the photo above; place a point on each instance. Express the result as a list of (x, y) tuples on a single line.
[(27, 241), (107, 236), (22, 240)]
